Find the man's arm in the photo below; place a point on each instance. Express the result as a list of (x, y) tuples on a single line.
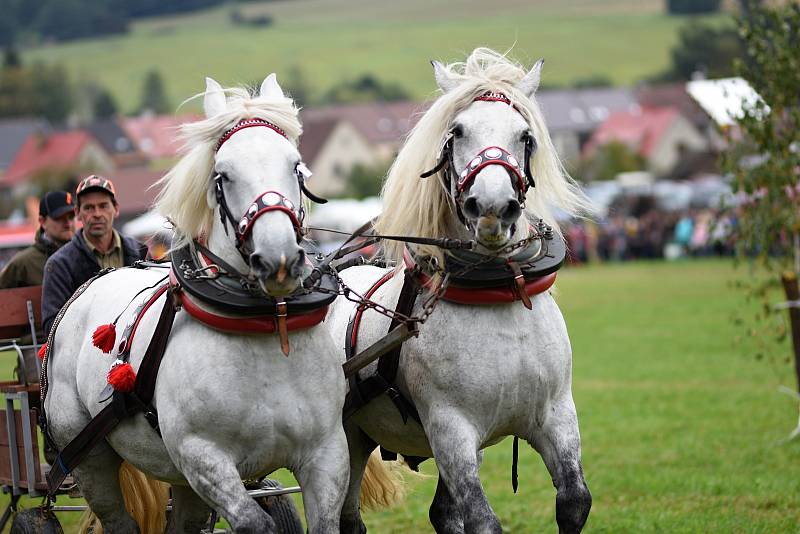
[(57, 288), (10, 276)]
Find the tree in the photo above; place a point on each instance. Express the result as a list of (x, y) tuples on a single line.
[(608, 161), (769, 172), (154, 94), (704, 48), (365, 181), (692, 7), (366, 88), (104, 105)]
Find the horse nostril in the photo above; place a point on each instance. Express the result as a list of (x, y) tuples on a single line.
[(511, 211), (471, 208), (299, 263), (260, 266)]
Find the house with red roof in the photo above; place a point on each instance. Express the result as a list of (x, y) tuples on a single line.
[(55, 154), (661, 135), (156, 135)]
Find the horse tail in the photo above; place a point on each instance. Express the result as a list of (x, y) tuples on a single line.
[(383, 485), (145, 499)]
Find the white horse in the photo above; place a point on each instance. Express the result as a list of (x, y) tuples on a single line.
[(230, 406), (475, 373)]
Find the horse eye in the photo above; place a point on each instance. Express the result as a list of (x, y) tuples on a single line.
[(224, 176), (457, 131), (526, 136)]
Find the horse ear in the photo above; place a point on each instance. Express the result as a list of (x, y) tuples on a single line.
[(530, 83), (214, 99), (270, 87), (443, 79)]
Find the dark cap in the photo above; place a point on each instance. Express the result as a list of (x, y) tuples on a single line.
[(95, 183), (55, 204)]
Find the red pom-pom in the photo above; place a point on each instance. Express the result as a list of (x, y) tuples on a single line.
[(122, 377), (41, 352), (104, 337)]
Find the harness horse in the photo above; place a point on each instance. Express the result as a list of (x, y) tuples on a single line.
[(494, 357), (246, 379)]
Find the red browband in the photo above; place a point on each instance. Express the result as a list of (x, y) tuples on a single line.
[(493, 96), (248, 123)]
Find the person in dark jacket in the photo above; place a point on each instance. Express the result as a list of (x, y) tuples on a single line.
[(56, 227), (94, 247)]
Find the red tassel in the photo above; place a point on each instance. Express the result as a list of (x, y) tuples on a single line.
[(104, 337), (42, 351), (122, 377)]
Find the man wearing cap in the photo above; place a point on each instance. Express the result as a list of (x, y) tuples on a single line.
[(56, 227), (94, 247)]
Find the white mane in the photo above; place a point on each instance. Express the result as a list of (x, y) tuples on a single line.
[(422, 207), (184, 189)]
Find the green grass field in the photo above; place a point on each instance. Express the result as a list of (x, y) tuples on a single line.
[(332, 41), (682, 430)]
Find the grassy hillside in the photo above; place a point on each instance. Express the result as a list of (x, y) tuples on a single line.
[(682, 430), (330, 41)]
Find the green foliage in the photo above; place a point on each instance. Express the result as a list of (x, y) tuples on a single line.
[(365, 181), (769, 223), (154, 94), (608, 161), (692, 7), (338, 44), (706, 48), (296, 84), (38, 90), (63, 20), (764, 159), (365, 88), (104, 106), (593, 80)]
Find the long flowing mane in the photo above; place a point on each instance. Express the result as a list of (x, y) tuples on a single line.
[(423, 207), (184, 189)]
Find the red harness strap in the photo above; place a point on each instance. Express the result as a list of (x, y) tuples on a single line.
[(360, 311), (262, 324), (488, 295)]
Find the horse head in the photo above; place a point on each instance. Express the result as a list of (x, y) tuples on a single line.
[(255, 187), (488, 146), (248, 206), (486, 140)]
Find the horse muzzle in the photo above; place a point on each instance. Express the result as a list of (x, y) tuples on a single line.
[(278, 276)]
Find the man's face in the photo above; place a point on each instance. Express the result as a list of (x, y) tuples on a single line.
[(97, 212), (59, 228)]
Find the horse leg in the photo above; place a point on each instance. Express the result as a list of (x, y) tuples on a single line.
[(213, 476), (444, 513), (559, 443), (455, 445), (98, 475), (189, 512), (323, 477), (360, 446)]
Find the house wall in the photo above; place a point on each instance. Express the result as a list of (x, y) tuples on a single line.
[(344, 149), (95, 159), (679, 138)]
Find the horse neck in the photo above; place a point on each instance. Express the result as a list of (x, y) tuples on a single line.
[(222, 245)]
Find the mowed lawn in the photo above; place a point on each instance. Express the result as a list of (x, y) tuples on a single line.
[(331, 42), (682, 429)]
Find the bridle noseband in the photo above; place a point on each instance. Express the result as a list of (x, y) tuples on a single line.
[(266, 201), (520, 173)]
